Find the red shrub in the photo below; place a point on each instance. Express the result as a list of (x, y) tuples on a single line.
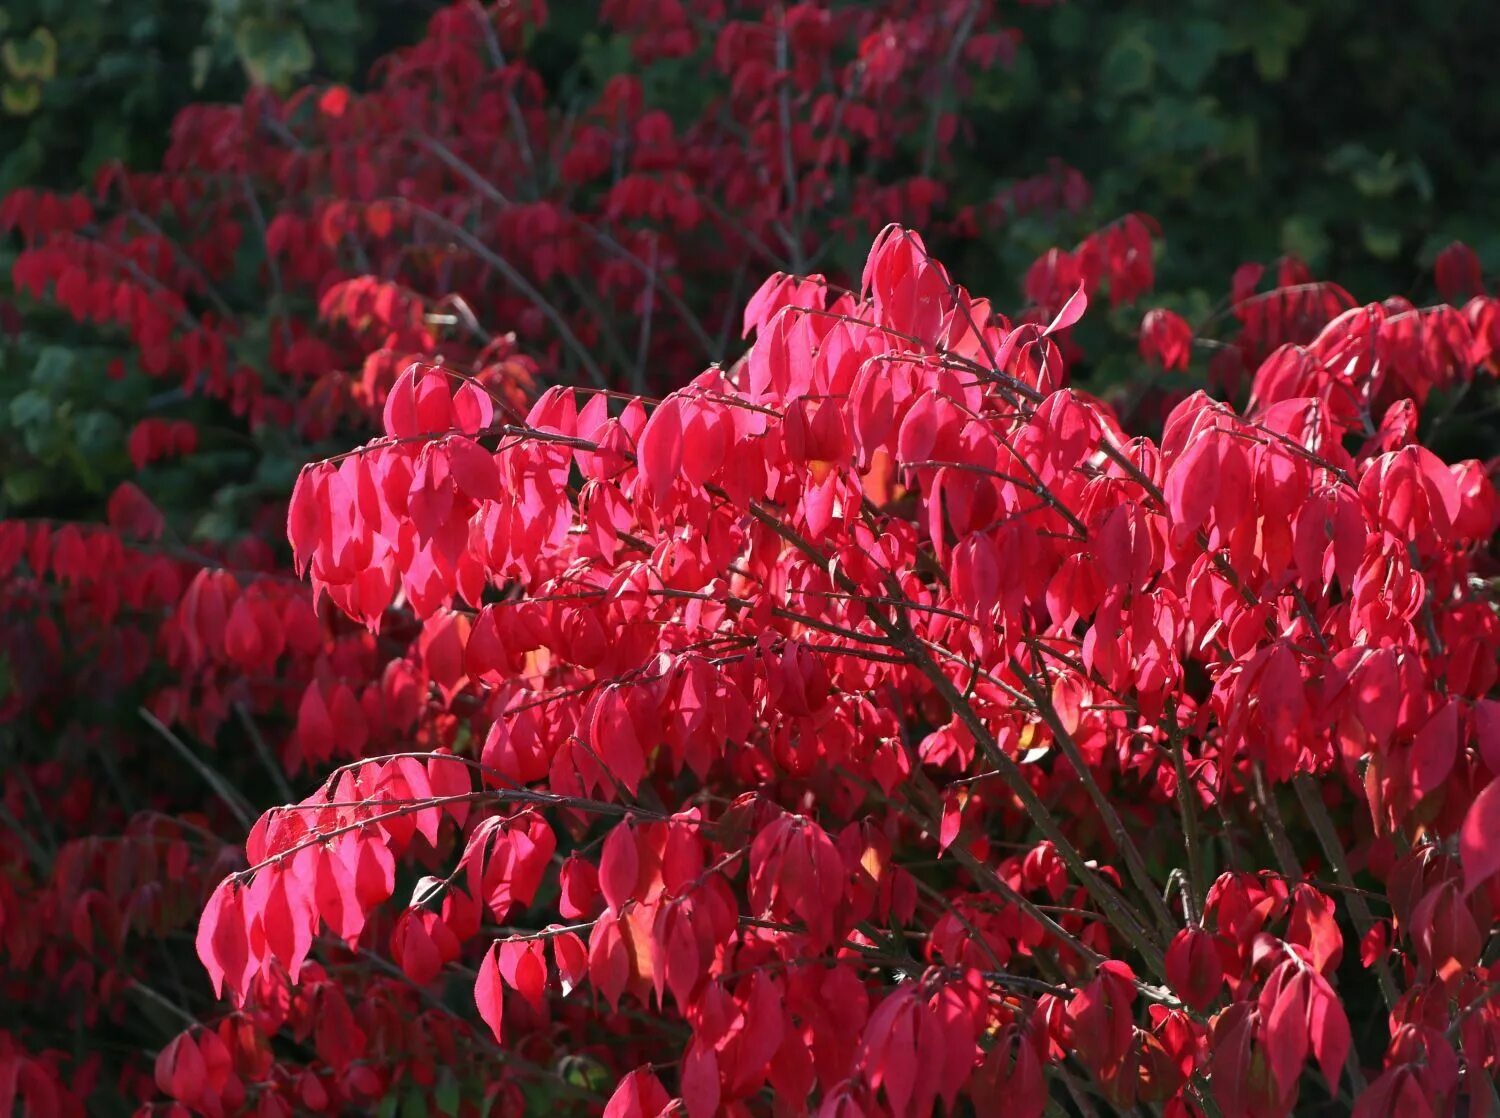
[(684, 614)]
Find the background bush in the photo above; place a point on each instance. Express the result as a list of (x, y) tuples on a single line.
[(1357, 138)]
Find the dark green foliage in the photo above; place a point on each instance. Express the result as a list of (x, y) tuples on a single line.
[(83, 82), (1359, 136)]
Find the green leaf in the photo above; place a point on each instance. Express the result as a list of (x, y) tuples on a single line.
[(215, 526), (21, 100), (1380, 241), (274, 54), (145, 28), (24, 486), (1276, 29), (414, 1104), (447, 1095), (339, 17), (22, 164), (602, 59), (1416, 172), (97, 432), (109, 140), (1304, 236), (53, 370), (1070, 27), (83, 468), (31, 409), (32, 57), (583, 1071), (277, 472), (1380, 179), (1128, 66), (1188, 50)]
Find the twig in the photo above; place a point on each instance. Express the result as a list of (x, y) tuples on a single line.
[(1187, 807), (521, 284), (793, 233), (236, 803), (1270, 818), (1333, 850), (283, 789)]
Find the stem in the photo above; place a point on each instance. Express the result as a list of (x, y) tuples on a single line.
[(1135, 864), (940, 102), (236, 803), (643, 343), (793, 236), (430, 803), (1333, 850), (521, 284), (263, 751), (472, 176), (1193, 895), (1270, 817), (1122, 915), (273, 268)]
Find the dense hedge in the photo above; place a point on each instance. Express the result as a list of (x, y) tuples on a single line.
[(1358, 138)]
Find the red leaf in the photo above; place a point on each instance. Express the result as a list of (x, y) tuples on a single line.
[(639, 1095), (619, 866), (612, 735), (1314, 926), (180, 1070), (489, 991), (131, 513), (222, 944), (571, 958), (401, 406), (1071, 312), (524, 969), (659, 452), (1328, 1028), (700, 1081), (578, 886), (1434, 750), (473, 469), (1479, 838), (953, 818), (1284, 1009), (1194, 969), (1487, 732), (609, 959)]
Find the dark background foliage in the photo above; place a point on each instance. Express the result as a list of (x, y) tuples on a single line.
[(1359, 137), (82, 84)]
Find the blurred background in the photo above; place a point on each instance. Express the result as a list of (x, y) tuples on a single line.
[(1358, 138)]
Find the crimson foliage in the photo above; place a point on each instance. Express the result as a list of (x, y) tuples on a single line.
[(870, 721)]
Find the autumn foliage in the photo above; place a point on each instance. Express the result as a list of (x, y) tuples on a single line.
[(744, 689)]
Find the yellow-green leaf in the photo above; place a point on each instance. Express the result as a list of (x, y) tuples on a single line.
[(21, 99), (32, 57), (275, 54)]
